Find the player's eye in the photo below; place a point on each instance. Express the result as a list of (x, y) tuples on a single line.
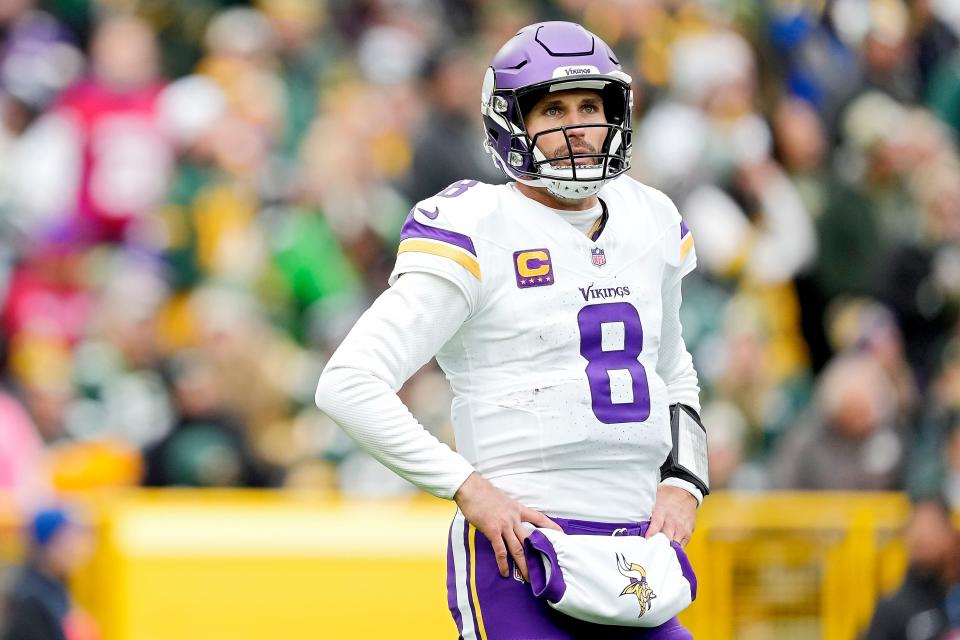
[(551, 112), (590, 108)]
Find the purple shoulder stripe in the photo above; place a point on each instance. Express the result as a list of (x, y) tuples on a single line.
[(684, 230), (413, 229)]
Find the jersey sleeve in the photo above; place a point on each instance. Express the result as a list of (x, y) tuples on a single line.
[(402, 330), (674, 362), (680, 254), (687, 252), (436, 239)]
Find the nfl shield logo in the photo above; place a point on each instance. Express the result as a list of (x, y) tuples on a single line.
[(597, 257)]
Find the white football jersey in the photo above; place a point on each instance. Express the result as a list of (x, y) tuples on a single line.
[(557, 399)]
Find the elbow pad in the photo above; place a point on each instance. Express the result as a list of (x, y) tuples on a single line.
[(688, 457)]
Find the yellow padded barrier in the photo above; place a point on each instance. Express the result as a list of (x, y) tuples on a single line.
[(249, 566), (218, 565)]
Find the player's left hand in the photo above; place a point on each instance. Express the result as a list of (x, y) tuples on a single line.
[(674, 514)]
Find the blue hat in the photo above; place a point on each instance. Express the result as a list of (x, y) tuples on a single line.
[(47, 523)]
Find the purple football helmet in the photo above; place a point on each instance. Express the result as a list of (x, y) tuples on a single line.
[(546, 57)]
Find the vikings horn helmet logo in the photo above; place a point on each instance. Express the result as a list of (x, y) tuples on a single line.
[(638, 583)]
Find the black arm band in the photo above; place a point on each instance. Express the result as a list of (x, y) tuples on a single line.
[(688, 457)]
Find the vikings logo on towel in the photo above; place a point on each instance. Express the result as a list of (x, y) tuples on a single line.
[(533, 268), (598, 257), (638, 583)]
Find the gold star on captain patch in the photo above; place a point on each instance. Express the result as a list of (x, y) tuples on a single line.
[(548, 278), (523, 282), (539, 279)]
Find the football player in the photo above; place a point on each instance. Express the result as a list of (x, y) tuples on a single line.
[(552, 305)]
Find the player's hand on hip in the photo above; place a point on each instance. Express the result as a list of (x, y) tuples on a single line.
[(499, 517), (674, 514)]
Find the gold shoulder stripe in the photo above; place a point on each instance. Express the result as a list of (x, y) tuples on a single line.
[(442, 249), (686, 245)]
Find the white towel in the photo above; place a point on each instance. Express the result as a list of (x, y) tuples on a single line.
[(616, 580)]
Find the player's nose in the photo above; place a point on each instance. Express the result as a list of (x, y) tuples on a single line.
[(574, 130), (574, 117), (576, 135)]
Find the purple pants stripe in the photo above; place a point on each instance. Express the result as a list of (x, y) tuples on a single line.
[(511, 611)]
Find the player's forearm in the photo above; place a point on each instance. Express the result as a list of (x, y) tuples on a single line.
[(674, 363), (675, 367), (372, 414), (682, 383)]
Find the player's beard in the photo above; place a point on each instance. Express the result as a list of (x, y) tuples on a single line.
[(560, 158)]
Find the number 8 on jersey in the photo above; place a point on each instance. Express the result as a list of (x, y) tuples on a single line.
[(611, 339)]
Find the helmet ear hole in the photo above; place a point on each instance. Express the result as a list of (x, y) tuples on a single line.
[(613, 104), (494, 134)]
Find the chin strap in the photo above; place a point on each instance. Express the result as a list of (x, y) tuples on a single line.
[(564, 189), (688, 457), (573, 190)]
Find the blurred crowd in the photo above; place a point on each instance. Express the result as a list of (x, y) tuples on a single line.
[(199, 197)]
